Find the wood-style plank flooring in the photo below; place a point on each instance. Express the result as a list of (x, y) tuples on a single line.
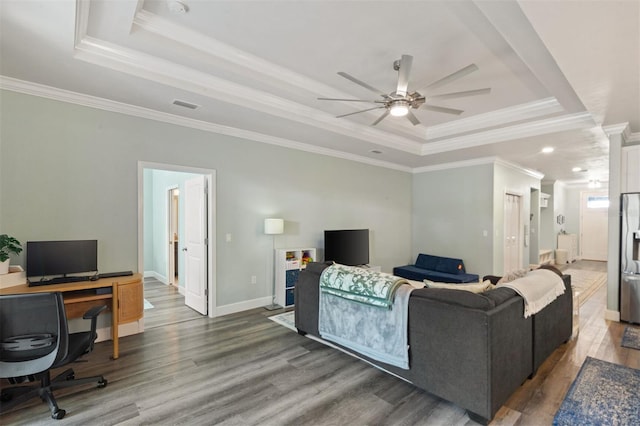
[(244, 369)]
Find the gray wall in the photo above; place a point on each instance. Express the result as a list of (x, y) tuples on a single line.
[(451, 210), (70, 172)]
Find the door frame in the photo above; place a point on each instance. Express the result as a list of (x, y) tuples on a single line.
[(171, 211), (583, 199), (520, 229), (211, 226)]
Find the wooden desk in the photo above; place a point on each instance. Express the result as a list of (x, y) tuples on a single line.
[(125, 301)]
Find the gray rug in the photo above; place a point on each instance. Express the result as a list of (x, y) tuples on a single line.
[(631, 337), (286, 319), (602, 394)]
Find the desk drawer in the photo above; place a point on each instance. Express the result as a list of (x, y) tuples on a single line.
[(77, 309)]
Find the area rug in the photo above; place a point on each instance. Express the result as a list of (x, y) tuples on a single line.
[(586, 282), (602, 394), (631, 337), (147, 304), (286, 319)]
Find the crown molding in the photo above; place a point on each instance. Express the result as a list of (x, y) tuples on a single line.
[(535, 128), (161, 71), (500, 117), (213, 48), (617, 129), (43, 91), (479, 162), (456, 165)]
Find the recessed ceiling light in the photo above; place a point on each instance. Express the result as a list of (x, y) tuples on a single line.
[(176, 6), (547, 149), (576, 169)]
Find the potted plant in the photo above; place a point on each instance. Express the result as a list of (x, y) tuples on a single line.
[(8, 245)]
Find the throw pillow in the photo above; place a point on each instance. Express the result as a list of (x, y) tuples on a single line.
[(512, 276), (472, 287)]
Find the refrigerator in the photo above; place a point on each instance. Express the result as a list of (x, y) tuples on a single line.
[(630, 258)]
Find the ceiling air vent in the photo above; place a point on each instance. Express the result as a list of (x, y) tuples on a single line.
[(185, 104)]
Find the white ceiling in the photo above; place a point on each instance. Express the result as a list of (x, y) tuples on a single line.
[(559, 71)]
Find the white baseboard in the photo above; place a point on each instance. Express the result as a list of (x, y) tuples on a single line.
[(135, 327), (157, 276), (242, 306), (612, 315)]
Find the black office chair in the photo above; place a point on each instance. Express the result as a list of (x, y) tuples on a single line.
[(34, 339)]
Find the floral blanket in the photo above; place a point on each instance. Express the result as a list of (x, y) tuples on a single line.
[(360, 285)]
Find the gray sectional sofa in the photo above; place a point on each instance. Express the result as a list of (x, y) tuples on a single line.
[(471, 349)]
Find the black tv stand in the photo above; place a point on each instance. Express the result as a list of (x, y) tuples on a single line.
[(58, 280)]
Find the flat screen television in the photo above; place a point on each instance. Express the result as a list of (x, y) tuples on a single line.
[(347, 247), (50, 258)]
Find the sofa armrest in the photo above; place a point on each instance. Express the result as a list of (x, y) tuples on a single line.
[(493, 278)]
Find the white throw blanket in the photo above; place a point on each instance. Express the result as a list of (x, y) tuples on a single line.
[(380, 334), (538, 288)]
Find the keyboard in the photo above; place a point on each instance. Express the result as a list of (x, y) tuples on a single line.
[(57, 280)]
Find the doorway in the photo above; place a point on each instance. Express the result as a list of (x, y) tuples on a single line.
[(512, 235), (594, 207), (174, 253), (157, 225)]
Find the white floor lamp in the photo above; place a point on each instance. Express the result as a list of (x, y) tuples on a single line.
[(273, 227)]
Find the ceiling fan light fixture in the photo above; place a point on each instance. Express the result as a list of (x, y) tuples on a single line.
[(399, 108)]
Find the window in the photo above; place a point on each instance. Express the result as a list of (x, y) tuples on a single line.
[(597, 202)]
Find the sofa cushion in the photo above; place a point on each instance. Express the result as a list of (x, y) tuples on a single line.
[(465, 299), (411, 272), (426, 261), (500, 295), (450, 266), (472, 287)]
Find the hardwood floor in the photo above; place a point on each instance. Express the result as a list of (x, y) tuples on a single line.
[(243, 369)]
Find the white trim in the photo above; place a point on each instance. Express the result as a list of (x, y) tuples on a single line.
[(495, 118), (35, 89), (157, 276), (610, 315), (479, 162), (581, 120), (244, 306)]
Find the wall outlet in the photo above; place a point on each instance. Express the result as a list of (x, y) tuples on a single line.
[(254, 279)]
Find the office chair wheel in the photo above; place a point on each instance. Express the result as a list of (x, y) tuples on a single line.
[(58, 414), (102, 383)]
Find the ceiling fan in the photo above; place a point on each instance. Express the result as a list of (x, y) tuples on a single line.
[(400, 102)]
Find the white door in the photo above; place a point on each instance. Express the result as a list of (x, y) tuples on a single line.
[(195, 247), (594, 207), (512, 246)]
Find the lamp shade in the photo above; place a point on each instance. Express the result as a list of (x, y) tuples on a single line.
[(273, 226)]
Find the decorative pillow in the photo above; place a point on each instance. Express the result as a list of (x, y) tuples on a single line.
[(472, 287), (552, 268), (512, 276), (416, 284)]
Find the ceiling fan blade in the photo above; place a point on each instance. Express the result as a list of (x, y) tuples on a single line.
[(462, 94), (451, 77), (412, 118), (442, 109), (363, 84), (403, 74), (358, 112), (348, 100), (382, 117)]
